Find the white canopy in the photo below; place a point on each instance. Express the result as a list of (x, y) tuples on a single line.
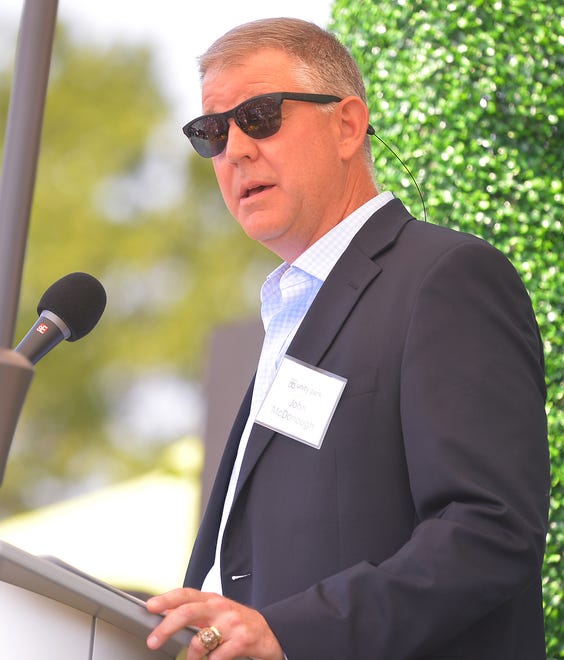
[(136, 535)]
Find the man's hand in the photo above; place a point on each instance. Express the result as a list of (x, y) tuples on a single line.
[(244, 631)]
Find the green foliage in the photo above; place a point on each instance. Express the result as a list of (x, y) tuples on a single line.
[(115, 199), (470, 95)]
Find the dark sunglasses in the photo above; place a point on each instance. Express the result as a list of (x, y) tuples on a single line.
[(258, 117)]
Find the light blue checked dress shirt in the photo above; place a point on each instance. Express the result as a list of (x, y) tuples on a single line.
[(286, 296)]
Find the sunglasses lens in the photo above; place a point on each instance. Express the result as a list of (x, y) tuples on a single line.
[(259, 118), (208, 135)]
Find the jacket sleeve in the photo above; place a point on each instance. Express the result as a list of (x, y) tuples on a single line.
[(474, 432)]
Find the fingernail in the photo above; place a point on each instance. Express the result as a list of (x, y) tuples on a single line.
[(153, 642)]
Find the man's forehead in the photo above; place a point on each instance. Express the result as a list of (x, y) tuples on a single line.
[(257, 58), (258, 72)]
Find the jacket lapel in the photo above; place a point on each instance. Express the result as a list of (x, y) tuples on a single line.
[(353, 272), (203, 553)]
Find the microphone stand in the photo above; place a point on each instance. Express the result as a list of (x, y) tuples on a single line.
[(23, 133)]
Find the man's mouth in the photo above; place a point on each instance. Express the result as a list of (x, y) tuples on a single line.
[(255, 190)]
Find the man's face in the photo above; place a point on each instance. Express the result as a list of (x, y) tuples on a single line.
[(286, 190)]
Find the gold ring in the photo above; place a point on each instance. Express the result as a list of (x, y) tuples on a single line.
[(210, 638)]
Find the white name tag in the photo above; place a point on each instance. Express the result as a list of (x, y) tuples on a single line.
[(301, 401)]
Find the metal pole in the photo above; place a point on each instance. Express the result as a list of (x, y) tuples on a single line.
[(23, 133)]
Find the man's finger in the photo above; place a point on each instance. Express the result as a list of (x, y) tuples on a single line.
[(174, 598)]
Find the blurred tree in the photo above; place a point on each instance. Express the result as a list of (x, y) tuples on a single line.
[(470, 95), (114, 198)]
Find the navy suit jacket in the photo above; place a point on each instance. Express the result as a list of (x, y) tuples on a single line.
[(418, 529)]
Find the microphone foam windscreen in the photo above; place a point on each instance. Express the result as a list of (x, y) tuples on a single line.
[(78, 299)]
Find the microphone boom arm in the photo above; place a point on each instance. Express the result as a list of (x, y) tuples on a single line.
[(16, 373)]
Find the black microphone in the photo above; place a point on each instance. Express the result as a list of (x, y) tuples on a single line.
[(69, 309)]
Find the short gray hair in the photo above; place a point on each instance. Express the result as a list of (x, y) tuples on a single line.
[(326, 65)]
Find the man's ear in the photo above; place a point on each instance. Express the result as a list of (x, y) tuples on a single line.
[(353, 123)]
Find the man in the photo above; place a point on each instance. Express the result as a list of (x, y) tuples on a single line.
[(388, 498)]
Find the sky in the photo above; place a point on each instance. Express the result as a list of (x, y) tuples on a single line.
[(180, 31)]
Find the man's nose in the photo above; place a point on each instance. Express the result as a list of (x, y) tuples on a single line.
[(239, 144)]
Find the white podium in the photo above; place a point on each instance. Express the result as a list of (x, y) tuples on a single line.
[(52, 612)]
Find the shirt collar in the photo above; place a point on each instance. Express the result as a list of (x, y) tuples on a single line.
[(319, 259)]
